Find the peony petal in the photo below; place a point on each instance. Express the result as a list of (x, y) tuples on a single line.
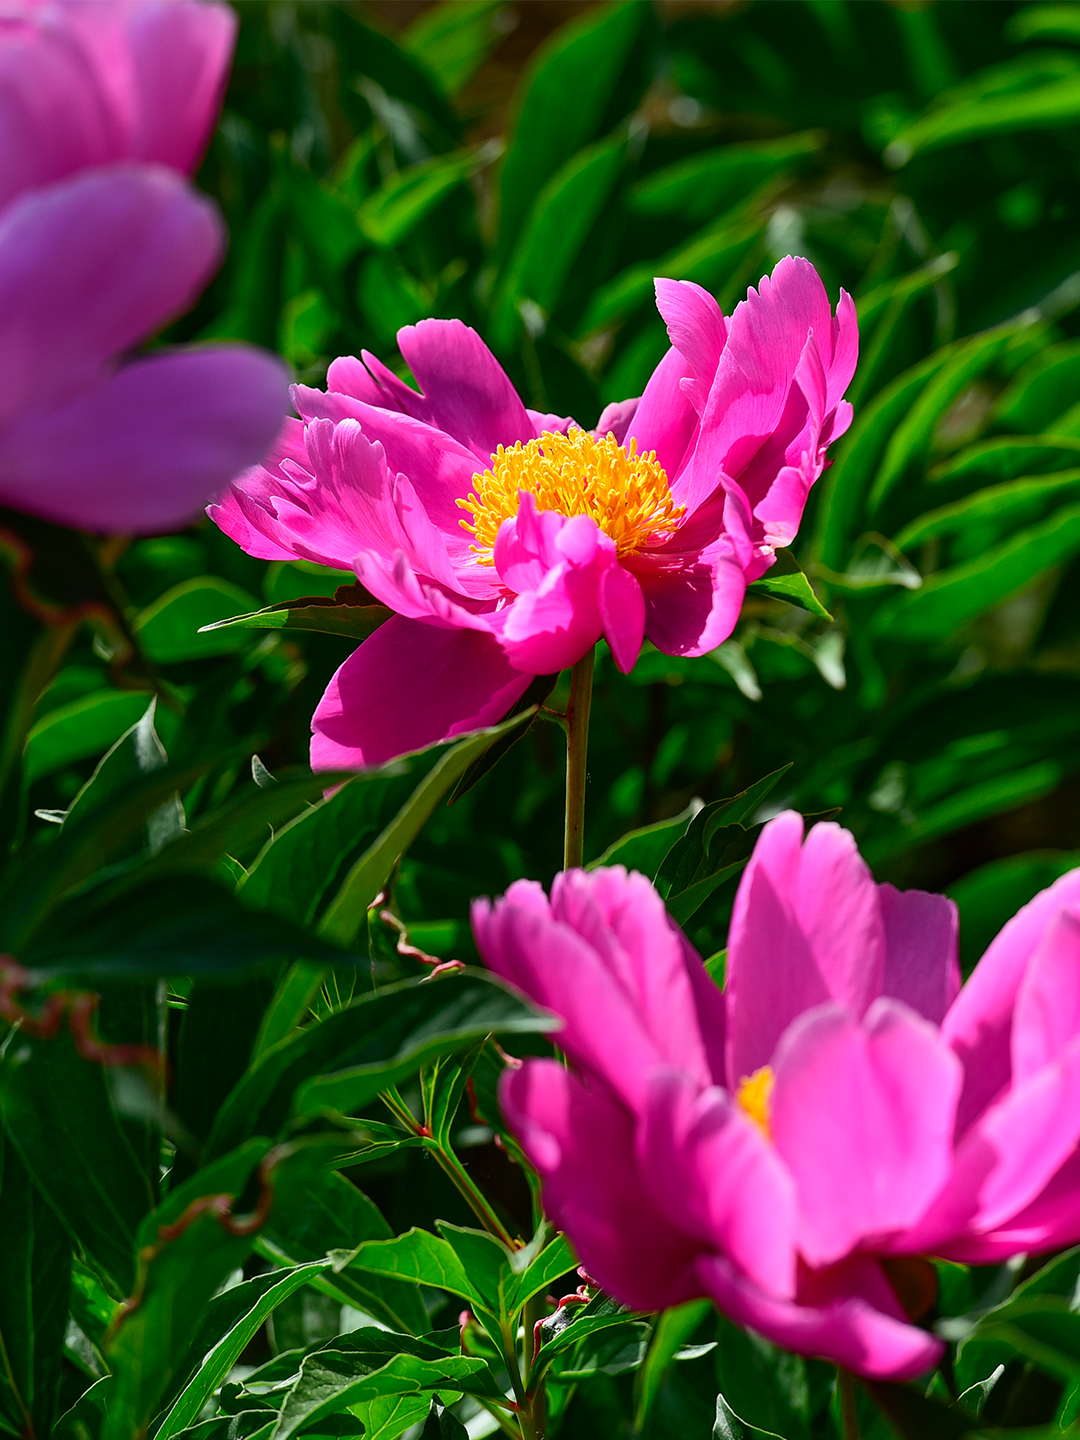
[(470, 394), (1050, 1222), (54, 118), (922, 967), (863, 1118), (847, 1328), (691, 604), (713, 1174), (1047, 1016), (615, 419), (806, 927), (622, 612), (408, 686), (665, 420), (145, 449), (180, 54), (698, 331), (979, 1024), (549, 628), (583, 1146), (90, 267)]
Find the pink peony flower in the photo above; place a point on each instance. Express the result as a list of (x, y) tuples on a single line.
[(786, 1145), (85, 83), (88, 268), (508, 542)]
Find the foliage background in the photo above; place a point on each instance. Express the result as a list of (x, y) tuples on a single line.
[(530, 168)]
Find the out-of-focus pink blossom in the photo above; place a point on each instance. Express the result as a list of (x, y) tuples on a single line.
[(85, 83), (88, 268), (788, 1145), (508, 542)]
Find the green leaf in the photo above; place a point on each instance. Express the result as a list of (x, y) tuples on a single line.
[(330, 1213), (485, 1261), (331, 1380), (1043, 390), (786, 581), (442, 1085), (137, 752), (350, 613), (952, 597), (583, 59), (35, 1272), (766, 1386), (343, 1060), (717, 844), (644, 849), (555, 1259), (82, 728), (172, 629), (58, 1112), (1007, 457), (386, 1417), (453, 41), (701, 187), (913, 1416), (233, 1320), (176, 925), (552, 234), (1045, 22), (347, 911), (407, 199), (981, 519), (420, 1257), (672, 1330), (728, 1426)]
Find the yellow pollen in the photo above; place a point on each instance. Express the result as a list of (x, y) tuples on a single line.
[(754, 1094), (627, 494)]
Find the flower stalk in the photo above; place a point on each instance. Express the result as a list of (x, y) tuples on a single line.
[(577, 744)]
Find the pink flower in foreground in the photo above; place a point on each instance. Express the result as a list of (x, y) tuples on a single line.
[(509, 542), (85, 83), (782, 1145), (89, 268)]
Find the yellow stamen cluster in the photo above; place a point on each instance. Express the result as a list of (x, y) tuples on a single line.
[(627, 494), (754, 1094)]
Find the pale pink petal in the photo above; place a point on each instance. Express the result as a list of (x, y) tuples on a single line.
[(1009, 1155), (615, 419), (713, 1174), (408, 686), (847, 1329), (582, 1144), (806, 927), (144, 450), (1047, 1016), (979, 1024), (863, 1118), (922, 967), (698, 332), (180, 54), (470, 394), (550, 628), (622, 612), (90, 267)]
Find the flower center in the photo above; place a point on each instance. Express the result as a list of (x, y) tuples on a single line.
[(627, 494), (754, 1094)]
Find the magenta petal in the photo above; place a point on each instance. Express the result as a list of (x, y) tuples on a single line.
[(180, 56), (665, 420), (863, 1118), (615, 419), (698, 332), (1050, 1222), (713, 1173), (143, 451), (1047, 1016), (470, 394), (583, 1146), (88, 268), (1009, 1155), (979, 1024), (806, 927), (622, 612), (550, 628), (847, 1328), (922, 967), (693, 605), (408, 686)]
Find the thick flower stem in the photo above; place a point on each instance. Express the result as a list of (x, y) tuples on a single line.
[(577, 744), (848, 1404)]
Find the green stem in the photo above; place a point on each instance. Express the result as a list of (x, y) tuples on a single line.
[(577, 744), (849, 1410)]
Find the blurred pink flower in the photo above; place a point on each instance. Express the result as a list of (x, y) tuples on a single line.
[(89, 268), (85, 83), (785, 1145), (508, 542)]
